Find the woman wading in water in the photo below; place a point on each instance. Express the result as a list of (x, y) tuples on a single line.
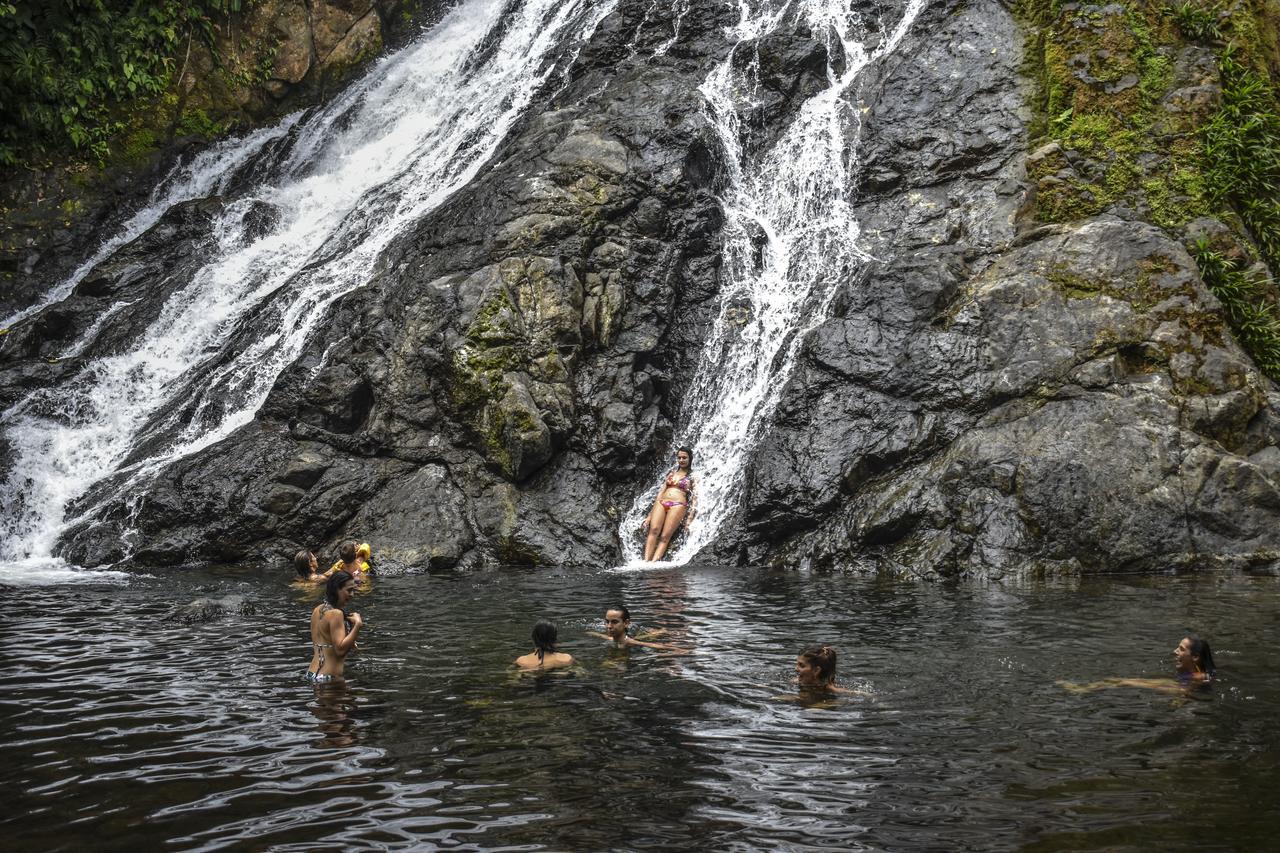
[(544, 654), (675, 506), (333, 635)]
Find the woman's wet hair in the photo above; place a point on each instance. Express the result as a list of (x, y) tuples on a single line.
[(544, 639), (302, 563), (347, 551), (336, 580), (1200, 650), (821, 658), (621, 608), (688, 450)]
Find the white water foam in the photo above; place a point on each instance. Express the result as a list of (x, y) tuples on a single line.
[(387, 152), (799, 196)]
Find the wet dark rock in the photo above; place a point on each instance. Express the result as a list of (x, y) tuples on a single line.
[(989, 396)]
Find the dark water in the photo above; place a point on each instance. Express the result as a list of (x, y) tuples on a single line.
[(122, 729)]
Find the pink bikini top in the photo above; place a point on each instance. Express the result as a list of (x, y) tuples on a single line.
[(684, 484)]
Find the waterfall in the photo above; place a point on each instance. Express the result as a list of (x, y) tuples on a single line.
[(357, 173), (798, 195)]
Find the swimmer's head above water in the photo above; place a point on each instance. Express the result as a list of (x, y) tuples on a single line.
[(347, 551), (617, 620), (1193, 657), (544, 639), (816, 666)]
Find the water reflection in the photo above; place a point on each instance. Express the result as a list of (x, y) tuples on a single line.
[(334, 708)]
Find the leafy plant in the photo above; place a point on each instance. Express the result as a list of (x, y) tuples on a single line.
[(65, 64), (1242, 147), (1199, 22), (1246, 296)]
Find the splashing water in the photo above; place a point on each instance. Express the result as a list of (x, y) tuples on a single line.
[(388, 151), (798, 197)]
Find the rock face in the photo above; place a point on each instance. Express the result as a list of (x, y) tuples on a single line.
[(990, 397)]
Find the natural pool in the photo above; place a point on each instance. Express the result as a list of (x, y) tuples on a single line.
[(123, 729)]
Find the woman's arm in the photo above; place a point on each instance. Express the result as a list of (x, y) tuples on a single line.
[(693, 502), (343, 640), (631, 641)]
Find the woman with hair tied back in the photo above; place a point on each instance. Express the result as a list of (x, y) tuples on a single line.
[(544, 654), (673, 508), (1192, 667), (816, 671)]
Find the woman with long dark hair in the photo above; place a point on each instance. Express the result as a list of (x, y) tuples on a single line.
[(544, 654), (1192, 667), (674, 507), (333, 633)]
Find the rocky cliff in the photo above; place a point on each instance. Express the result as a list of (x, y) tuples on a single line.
[(1013, 384)]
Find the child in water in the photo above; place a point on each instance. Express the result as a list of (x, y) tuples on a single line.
[(544, 654), (349, 561)]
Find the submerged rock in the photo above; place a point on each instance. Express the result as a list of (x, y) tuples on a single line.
[(208, 609)]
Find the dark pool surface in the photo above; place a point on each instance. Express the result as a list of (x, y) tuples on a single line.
[(125, 729)]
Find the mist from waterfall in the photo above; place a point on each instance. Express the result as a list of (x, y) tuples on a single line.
[(353, 175), (797, 199)]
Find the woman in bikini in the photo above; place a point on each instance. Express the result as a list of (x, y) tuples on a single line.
[(333, 633), (675, 506)]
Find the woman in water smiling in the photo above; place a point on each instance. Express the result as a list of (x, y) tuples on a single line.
[(331, 638), (675, 505), (1192, 664)]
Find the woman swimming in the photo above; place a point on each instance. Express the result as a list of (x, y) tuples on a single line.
[(674, 507), (1192, 667), (544, 654), (617, 621), (816, 670), (333, 634)]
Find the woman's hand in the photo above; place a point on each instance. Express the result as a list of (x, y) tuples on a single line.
[(644, 527), (355, 620)]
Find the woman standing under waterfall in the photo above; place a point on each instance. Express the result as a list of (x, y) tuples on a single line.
[(675, 505)]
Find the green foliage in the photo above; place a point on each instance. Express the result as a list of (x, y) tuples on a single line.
[(1242, 147), (1251, 310), (65, 64), (1198, 21)]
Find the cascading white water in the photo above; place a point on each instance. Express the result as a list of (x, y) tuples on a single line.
[(798, 196), (391, 149)]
